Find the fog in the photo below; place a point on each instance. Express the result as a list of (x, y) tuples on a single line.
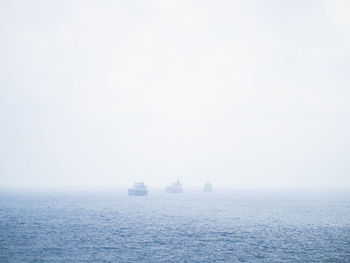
[(244, 94)]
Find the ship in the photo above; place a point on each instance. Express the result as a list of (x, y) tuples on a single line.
[(175, 188), (139, 189), (208, 187)]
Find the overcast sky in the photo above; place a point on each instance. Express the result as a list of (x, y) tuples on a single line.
[(97, 94)]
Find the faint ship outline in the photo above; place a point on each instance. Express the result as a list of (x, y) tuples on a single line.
[(207, 187), (175, 188), (139, 189)]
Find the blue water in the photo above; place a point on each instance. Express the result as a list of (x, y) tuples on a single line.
[(190, 227)]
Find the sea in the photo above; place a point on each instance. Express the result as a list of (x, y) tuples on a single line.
[(222, 226)]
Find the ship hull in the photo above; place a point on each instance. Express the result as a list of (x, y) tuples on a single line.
[(137, 192)]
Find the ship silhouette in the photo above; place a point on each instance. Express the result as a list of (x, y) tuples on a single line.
[(175, 188), (139, 189), (207, 187)]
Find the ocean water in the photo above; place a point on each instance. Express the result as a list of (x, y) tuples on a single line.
[(232, 226)]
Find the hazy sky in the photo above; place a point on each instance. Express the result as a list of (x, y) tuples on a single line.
[(98, 94)]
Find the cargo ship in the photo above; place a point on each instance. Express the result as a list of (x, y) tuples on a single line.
[(207, 187), (139, 189), (175, 188)]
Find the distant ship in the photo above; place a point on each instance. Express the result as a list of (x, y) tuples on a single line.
[(208, 187), (175, 188), (139, 189)]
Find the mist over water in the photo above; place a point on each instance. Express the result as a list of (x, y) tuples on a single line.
[(244, 94), (249, 95), (246, 226)]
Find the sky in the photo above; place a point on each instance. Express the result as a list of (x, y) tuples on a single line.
[(244, 94)]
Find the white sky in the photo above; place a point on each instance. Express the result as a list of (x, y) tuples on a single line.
[(97, 94)]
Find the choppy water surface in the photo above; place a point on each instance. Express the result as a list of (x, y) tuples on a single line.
[(192, 227)]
